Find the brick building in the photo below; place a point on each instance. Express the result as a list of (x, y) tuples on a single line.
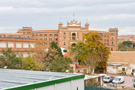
[(67, 36), (122, 38)]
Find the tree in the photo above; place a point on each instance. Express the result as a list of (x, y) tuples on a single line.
[(126, 46), (30, 63), (10, 60), (54, 45), (92, 51), (60, 65), (77, 50), (103, 53), (40, 51), (128, 43)]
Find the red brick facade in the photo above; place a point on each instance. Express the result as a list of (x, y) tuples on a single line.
[(69, 35), (123, 38)]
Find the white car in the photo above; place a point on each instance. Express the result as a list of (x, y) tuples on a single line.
[(107, 79), (118, 79), (134, 82)]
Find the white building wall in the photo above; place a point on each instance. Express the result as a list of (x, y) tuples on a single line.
[(10, 44), (52, 87), (3, 44), (111, 70), (25, 54), (25, 45), (70, 85), (32, 45), (64, 86), (18, 45), (78, 83)]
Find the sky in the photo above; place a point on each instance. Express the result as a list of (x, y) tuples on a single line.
[(46, 14)]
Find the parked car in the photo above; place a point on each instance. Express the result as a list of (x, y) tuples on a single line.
[(107, 79), (118, 79), (134, 82)]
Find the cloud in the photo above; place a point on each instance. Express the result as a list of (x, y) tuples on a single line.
[(5, 9), (102, 14)]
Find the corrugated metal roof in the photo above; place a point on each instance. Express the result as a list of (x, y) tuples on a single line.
[(14, 78)]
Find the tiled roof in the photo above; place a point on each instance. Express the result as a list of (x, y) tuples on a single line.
[(45, 30), (9, 34), (122, 56)]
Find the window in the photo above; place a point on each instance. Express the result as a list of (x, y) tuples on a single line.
[(55, 34), (56, 39), (112, 43), (50, 38), (50, 34), (64, 33), (64, 43), (112, 38), (41, 35), (111, 49), (40, 38), (45, 34), (45, 38), (123, 69), (73, 36)]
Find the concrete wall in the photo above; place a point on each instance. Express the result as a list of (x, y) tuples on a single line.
[(71, 85)]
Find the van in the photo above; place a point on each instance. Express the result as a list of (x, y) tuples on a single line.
[(118, 79), (134, 83), (107, 79)]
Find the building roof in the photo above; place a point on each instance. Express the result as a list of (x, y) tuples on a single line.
[(45, 31), (122, 57), (16, 38), (10, 34), (25, 80)]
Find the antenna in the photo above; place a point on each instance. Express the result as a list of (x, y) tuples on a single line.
[(73, 15)]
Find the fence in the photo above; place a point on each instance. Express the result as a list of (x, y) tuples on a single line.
[(95, 88)]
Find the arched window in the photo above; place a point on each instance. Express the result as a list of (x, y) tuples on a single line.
[(73, 44), (73, 36)]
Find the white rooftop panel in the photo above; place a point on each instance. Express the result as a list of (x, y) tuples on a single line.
[(12, 78)]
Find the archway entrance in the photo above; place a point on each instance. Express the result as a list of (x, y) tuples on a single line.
[(74, 44)]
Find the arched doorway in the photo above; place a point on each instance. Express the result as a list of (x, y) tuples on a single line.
[(73, 44)]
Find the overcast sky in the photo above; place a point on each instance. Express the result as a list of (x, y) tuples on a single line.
[(46, 14)]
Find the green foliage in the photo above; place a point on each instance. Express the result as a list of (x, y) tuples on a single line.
[(65, 50), (77, 50), (54, 45), (92, 52), (30, 63), (127, 43), (60, 65), (126, 46), (10, 60)]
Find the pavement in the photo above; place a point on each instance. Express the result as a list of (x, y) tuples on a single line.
[(127, 83)]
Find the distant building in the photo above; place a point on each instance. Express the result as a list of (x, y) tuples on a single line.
[(121, 61), (122, 38), (21, 46), (67, 36)]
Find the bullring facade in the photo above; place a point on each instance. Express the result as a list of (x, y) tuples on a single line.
[(67, 36)]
